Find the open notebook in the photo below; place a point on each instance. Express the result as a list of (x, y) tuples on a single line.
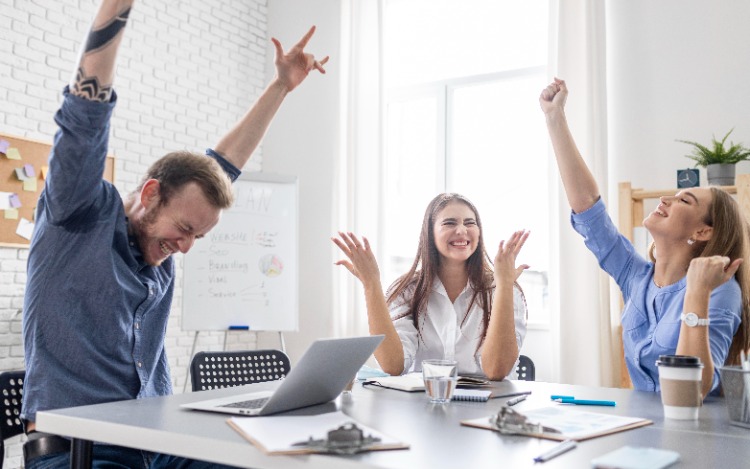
[(469, 388)]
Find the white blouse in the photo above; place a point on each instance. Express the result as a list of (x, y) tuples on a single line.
[(443, 334)]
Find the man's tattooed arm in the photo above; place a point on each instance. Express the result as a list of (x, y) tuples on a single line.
[(95, 73)]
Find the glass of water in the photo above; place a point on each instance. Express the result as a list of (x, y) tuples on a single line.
[(440, 378)]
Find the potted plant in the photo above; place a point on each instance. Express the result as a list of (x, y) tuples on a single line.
[(718, 159)]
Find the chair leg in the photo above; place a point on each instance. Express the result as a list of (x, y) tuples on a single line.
[(81, 454)]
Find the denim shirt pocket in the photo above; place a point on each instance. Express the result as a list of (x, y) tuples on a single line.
[(632, 319), (667, 333)]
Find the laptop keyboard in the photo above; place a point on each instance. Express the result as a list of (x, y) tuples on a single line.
[(251, 404)]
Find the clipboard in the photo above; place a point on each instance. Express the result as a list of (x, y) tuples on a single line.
[(284, 434), (556, 423)]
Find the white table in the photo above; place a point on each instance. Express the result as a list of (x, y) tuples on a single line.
[(434, 434)]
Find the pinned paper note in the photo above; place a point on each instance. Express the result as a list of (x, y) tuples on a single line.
[(44, 170), (11, 214), (5, 200), (25, 228), (4, 145), (20, 174), (15, 201), (29, 170), (29, 184), (13, 154)]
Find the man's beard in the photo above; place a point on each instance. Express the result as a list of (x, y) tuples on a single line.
[(142, 235)]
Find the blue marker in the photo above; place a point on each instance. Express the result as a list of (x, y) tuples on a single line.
[(239, 328), (573, 400)]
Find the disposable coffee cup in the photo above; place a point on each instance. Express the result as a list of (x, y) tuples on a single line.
[(680, 382)]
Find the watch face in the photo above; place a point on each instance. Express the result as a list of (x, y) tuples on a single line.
[(691, 319), (688, 178)]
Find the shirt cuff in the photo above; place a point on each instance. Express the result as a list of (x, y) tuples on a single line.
[(84, 114), (232, 171)]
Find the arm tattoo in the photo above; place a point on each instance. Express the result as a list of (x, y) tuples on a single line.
[(101, 37), (89, 88)]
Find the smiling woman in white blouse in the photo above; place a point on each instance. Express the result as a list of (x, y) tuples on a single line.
[(453, 303)]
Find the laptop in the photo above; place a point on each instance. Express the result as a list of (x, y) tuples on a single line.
[(322, 373)]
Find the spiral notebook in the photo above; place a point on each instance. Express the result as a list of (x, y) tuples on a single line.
[(476, 395)]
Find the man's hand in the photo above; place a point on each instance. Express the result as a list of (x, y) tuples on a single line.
[(294, 66)]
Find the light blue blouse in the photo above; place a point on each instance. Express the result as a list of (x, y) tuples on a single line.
[(651, 318)]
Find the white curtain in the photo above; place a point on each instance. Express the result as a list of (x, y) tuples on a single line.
[(360, 164), (587, 332)]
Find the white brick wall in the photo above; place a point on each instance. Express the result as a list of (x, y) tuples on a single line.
[(186, 72)]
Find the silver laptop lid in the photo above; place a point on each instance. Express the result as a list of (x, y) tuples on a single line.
[(322, 373)]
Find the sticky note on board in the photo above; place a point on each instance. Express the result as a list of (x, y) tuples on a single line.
[(20, 174), (4, 145), (15, 201), (11, 214), (5, 200), (13, 154), (25, 229), (29, 184), (29, 170), (44, 170)]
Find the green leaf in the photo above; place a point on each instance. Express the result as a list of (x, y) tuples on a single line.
[(717, 152)]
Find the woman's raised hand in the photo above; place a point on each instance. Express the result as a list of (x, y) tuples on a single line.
[(553, 96), (362, 263), (505, 259), (710, 272)]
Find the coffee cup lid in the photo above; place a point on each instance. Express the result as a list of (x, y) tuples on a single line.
[(684, 361)]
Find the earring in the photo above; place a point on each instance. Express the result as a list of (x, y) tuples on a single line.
[(691, 241)]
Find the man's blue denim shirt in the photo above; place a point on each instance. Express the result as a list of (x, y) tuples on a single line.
[(95, 314), (651, 318)]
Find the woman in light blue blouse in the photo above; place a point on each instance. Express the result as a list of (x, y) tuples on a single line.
[(691, 296)]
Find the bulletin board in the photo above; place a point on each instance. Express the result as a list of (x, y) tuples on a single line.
[(20, 185)]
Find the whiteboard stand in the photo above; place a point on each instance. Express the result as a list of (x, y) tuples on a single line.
[(281, 340), (192, 354)]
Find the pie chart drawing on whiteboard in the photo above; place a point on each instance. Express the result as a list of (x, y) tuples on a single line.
[(270, 265)]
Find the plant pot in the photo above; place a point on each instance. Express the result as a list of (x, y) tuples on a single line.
[(720, 174)]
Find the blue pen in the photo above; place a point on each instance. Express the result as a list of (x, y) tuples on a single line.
[(239, 328), (573, 400)]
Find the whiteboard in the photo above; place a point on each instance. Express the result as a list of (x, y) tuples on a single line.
[(244, 272)]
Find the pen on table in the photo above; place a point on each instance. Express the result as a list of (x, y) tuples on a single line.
[(516, 400), (239, 328), (573, 400), (566, 445)]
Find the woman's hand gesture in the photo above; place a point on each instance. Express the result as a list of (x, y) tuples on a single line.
[(505, 259), (362, 263), (710, 272), (553, 96)]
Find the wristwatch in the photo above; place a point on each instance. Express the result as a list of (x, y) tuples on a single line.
[(692, 320)]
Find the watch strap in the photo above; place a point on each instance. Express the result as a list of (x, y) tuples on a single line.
[(698, 322)]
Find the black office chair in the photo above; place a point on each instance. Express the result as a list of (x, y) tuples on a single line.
[(525, 368), (11, 386), (215, 370)]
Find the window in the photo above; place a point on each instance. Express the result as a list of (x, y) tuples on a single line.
[(462, 81)]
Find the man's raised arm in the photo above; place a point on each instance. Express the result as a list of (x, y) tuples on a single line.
[(96, 65), (291, 69)]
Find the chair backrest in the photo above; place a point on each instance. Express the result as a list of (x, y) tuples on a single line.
[(525, 368), (214, 370), (11, 387)]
